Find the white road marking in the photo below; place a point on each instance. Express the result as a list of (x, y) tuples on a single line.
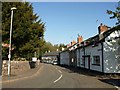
[(117, 87), (59, 71), (58, 78), (60, 75)]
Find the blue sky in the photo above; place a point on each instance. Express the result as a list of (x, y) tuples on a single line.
[(65, 20)]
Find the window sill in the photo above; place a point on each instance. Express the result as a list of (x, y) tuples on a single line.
[(96, 64), (82, 64), (94, 45)]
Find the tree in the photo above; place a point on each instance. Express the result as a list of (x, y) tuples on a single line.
[(26, 29), (115, 14), (48, 47), (60, 46)]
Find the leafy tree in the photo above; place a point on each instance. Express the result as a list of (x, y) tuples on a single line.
[(49, 47), (26, 29), (60, 46), (115, 14)]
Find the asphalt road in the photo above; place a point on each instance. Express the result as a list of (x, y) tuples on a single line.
[(52, 76)]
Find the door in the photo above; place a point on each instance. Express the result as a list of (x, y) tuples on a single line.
[(87, 62)]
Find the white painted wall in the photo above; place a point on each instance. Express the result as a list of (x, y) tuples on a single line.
[(81, 54), (94, 51), (78, 57), (111, 50), (110, 55), (64, 58)]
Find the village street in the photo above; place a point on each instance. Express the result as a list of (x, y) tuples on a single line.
[(60, 44), (53, 76)]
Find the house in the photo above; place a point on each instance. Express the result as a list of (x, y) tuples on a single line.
[(51, 57), (64, 57), (68, 56), (99, 53)]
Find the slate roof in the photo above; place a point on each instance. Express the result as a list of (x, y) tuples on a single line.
[(55, 53), (96, 39)]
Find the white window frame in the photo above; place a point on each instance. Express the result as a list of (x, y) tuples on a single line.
[(82, 61), (95, 62)]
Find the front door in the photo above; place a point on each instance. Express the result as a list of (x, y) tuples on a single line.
[(87, 62)]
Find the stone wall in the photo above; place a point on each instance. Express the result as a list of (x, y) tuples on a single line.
[(17, 67)]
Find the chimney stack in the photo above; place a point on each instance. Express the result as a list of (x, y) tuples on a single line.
[(79, 39), (102, 28), (73, 42), (68, 45)]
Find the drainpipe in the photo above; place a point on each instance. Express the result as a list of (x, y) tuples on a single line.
[(84, 54), (102, 58)]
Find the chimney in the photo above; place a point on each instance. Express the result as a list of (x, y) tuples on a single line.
[(73, 42), (79, 39), (102, 28), (68, 45)]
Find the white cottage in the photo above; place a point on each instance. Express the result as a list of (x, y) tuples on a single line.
[(99, 53), (64, 57), (111, 52), (102, 52), (68, 56)]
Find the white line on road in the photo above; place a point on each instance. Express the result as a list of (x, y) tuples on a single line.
[(59, 71), (58, 78), (60, 75), (117, 87)]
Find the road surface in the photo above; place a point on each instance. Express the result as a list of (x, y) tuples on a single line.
[(52, 76)]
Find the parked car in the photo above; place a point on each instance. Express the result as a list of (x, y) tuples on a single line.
[(55, 62)]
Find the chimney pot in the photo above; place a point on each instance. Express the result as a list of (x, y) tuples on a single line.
[(79, 39), (102, 28)]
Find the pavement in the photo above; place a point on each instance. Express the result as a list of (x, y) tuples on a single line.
[(24, 74)]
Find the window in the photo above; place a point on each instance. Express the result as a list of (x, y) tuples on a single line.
[(82, 61), (96, 60)]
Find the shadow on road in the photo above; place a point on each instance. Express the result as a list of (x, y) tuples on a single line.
[(115, 82), (83, 71), (106, 78)]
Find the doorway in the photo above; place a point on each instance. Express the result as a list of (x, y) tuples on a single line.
[(87, 61)]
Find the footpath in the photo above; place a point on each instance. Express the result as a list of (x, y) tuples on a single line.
[(26, 74)]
